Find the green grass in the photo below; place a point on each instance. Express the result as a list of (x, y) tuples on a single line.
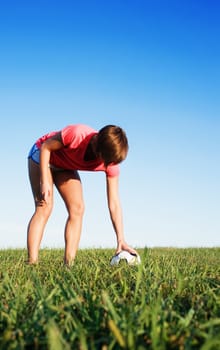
[(170, 301)]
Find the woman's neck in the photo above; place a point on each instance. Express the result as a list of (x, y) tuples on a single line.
[(90, 153)]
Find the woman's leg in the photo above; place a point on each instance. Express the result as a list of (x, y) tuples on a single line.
[(42, 212), (69, 186)]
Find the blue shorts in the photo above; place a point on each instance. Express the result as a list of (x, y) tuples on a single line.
[(34, 154)]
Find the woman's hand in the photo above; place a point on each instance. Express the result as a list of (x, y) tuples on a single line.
[(46, 191), (124, 246)]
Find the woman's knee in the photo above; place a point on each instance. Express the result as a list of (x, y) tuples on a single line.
[(76, 209), (43, 209)]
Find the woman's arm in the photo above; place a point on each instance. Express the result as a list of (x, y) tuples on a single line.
[(115, 211), (52, 144)]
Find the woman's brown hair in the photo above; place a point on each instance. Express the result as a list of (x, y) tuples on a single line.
[(112, 144)]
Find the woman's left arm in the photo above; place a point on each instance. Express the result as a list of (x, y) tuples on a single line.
[(115, 211)]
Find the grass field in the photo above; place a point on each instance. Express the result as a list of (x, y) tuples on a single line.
[(170, 301)]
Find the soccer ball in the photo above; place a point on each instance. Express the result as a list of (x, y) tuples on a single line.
[(131, 259)]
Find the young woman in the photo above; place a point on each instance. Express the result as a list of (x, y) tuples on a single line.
[(56, 158)]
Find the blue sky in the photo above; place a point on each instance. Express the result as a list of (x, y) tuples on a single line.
[(151, 67)]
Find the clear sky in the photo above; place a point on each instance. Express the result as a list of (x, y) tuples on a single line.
[(152, 67)]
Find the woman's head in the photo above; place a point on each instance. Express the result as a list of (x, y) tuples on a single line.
[(112, 144)]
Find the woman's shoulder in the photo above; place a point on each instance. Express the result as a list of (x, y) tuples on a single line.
[(76, 133), (79, 128)]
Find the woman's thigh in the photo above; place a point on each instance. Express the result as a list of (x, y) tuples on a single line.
[(34, 176), (69, 185)]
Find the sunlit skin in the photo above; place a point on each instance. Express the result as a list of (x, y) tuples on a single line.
[(68, 183)]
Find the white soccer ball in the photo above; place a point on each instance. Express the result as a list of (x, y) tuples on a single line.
[(131, 259)]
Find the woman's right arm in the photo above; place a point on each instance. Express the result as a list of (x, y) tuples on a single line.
[(52, 144)]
